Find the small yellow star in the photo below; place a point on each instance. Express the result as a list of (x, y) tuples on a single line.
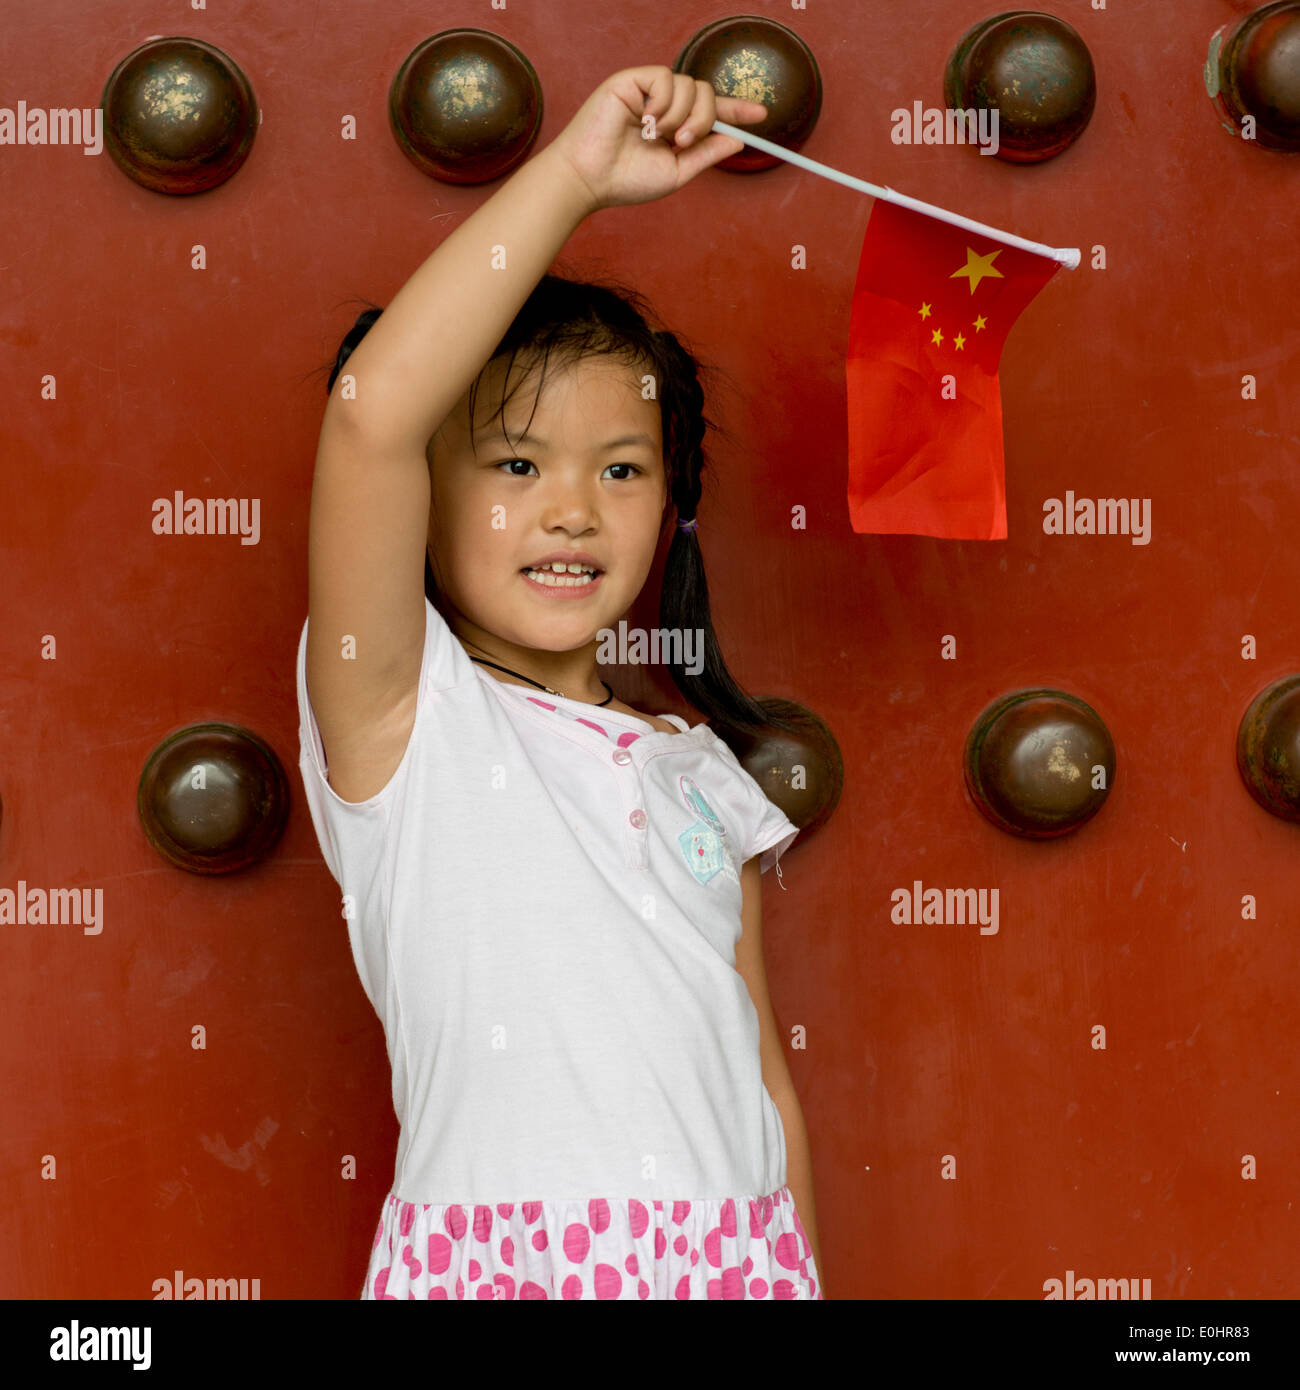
[(959, 342), (925, 311), (977, 267), (937, 336), (979, 323)]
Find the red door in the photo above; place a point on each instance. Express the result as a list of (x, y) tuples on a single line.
[(1103, 1088)]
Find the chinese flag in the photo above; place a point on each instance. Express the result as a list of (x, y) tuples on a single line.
[(932, 307)]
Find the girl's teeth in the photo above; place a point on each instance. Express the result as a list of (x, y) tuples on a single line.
[(559, 581)]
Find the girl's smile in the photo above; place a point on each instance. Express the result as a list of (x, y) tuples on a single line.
[(562, 581)]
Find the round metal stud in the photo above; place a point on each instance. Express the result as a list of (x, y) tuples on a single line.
[(179, 116), (236, 813), (1268, 748), (1253, 70), (1036, 71), (465, 106), (759, 60), (772, 757), (1039, 763)]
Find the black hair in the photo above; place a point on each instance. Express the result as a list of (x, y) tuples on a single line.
[(582, 318)]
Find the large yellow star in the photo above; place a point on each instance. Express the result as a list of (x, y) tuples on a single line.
[(977, 267)]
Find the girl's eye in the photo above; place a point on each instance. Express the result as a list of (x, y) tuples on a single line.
[(507, 463)]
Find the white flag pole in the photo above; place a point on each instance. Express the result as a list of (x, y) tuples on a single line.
[(1068, 256)]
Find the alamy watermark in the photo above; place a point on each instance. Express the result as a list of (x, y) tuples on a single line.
[(933, 125), (652, 647), (74, 125)]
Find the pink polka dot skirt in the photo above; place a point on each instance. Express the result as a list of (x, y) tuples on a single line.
[(734, 1247)]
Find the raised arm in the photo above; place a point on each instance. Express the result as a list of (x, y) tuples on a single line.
[(370, 496)]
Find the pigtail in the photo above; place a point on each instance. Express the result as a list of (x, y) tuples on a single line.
[(684, 597)]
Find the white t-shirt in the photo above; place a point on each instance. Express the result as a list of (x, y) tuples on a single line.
[(545, 906)]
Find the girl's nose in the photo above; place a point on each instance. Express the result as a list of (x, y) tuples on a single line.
[(570, 509)]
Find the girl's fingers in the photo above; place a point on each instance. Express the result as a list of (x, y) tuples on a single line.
[(709, 106), (738, 111), (704, 154), (698, 124), (671, 97), (679, 109), (655, 86)]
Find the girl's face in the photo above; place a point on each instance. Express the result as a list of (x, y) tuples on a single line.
[(588, 477)]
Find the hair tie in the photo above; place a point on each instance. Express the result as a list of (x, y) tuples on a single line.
[(687, 525)]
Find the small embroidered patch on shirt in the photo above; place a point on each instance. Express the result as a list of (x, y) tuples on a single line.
[(702, 849)]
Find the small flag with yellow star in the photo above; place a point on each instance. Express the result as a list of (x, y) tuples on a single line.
[(932, 307)]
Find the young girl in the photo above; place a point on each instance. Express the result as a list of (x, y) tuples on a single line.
[(553, 899)]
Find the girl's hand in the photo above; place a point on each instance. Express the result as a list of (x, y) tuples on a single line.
[(646, 132)]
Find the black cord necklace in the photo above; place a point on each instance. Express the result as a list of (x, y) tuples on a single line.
[(539, 685)]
